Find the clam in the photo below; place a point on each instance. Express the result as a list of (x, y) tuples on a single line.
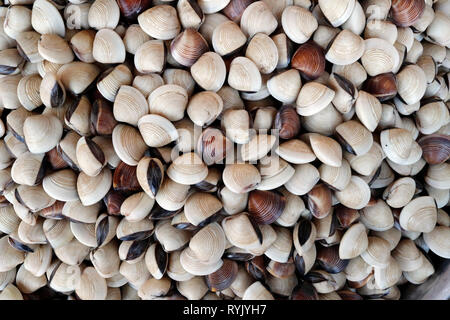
[(356, 194), (346, 48), (407, 255), (298, 23), (102, 120), (411, 84), (93, 189), (113, 80), (77, 76), (325, 282), (38, 261), (204, 107), (400, 192), (304, 179), (419, 215), (397, 144), (160, 22), (188, 46), (368, 163), (258, 18), (91, 286), (295, 151), (421, 274), (76, 211), (257, 291), (337, 13), (213, 146), (187, 169), (244, 75), (437, 176), (192, 264), (280, 249), (431, 116), (55, 49), (406, 13), (209, 71), (242, 232), (388, 276), (304, 235), (61, 185), (379, 56), (263, 51), (108, 47), (437, 241), (57, 232), (336, 177), (171, 238), (46, 18), (150, 175), (285, 86), (172, 195), (354, 242), (103, 14), (156, 130), (313, 98), (129, 105), (319, 201), (105, 229), (236, 123), (154, 49), (28, 91), (228, 38), (265, 206), (433, 30), (327, 150), (200, 207), (309, 59), (328, 259), (8, 86), (378, 253)]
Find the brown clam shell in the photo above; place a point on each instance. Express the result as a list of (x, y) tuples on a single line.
[(405, 13), (124, 178), (281, 270), (102, 117), (382, 86), (130, 9), (328, 259), (265, 207), (224, 277), (346, 216), (319, 201), (435, 148), (287, 121), (256, 268), (188, 46), (235, 8), (113, 200), (55, 159), (349, 295), (304, 291), (309, 60)]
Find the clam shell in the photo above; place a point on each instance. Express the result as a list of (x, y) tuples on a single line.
[(406, 13), (92, 286), (419, 215), (28, 91), (228, 38), (156, 130), (57, 232), (154, 49), (437, 176), (204, 107), (327, 150), (257, 291), (435, 148), (42, 133), (76, 211), (108, 47), (256, 18), (242, 232), (377, 217), (55, 49), (346, 48), (106, 260), (328, 259), (200, 207), (304, 235), (77, 76), (129, 105), (411, 83), (388, 276), (295, 151), (337, 13), (241, 178), (137, 206), (407, 255), (236, 123), (354, 242), (93, 189), (378, 253), (421, 274), (304, 179), (46, 19), (309, 59), (368, 109), (160, 22), (368, 163), (356, 194), (280, 249), (400, 192), (285, 86), (61, 185), (103, 14), (190, 262), (265, 207), (379, 56), (187, 169), (437, 241), (313, 98), (209, 71), (396, 144), (128, 143), (188, 46), (244, 75), (38, 261), (298, 23)]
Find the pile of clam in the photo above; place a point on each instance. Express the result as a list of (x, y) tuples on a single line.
[(223, 149)]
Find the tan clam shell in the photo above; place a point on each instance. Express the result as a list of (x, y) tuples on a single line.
[(193, 288), (77, 76), (82, 43), (421, 274), (76, 211), (137, 206), (42, 133), (378, 253), (392, 236), (134, 37), (293, 209), (187, 169), (353, 72), (336, 177), (8, 87), (298, 23), (204, 107), (323, 122), (160, 22), (257, 291), (38, 261), (236, 123), (285, 86), (180, 77), (33, 197), (241, 233), (28, 91), (129, 105), (57, 232), (108, 47), (274, 172), (27, 168), (356, 195), (106, 260), (209, 71), (280, 249), (61, 185), (257, 18), (103, 14), (208, 244), (136, 273), (388, 276), (257, 147), (431, 117), (92, 286), (407, 255), (113, 81), (337, 12), (313, 97), (411, 83), (176, 272), (396, 144), (353, 242), (437, 241), (212, 6), (368, 163), (147, 83), (227, 38), (262, 50), (244, 75), (400, 192), (128, 144), (171, 238), (233, 202), (153, 49), (419, 215), (57, 273), (377, 217), (200, 206), (326, 149), (379, 56), (190, 262), (304, 179), (9, 220), (438, 176), (346, 48), (55, 49), (72, 253), (84, 233), (46, 18), (156, 130), (368, 109), (241, 177), (93, 189), (172, 195), (295, 151), (357, 269)]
